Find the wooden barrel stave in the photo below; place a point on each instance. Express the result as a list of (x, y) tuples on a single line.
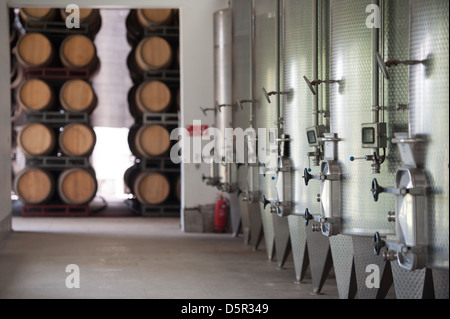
[(77, 186), (153, 96), (36, 139), (34, 186), (35, 16), (77, 139), (78, 51), (152, 140), (35, 95), (153, 54), (151, 188), (34, 50), (77, 96), (148, 141)]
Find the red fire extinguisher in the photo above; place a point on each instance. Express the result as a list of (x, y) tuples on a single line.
[(220, 218)]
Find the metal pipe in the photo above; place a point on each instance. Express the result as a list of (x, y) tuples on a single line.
[(279, 65), (315, 62), (375, 73), (223, 93), (375, 113), (382, 7), (316, 159), (252, 66), (321, 63)]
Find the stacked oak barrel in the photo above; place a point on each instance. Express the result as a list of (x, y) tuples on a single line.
[(153, 101), (56, 97)]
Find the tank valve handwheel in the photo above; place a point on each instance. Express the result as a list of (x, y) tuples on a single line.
[(378, 243), (376, 189), (307, 176), (265, 201), (308, 216)]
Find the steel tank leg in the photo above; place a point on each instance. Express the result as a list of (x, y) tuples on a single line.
[(440, 281), (235, 213), (269, 231), (416, 284), (320, 259), (245, 221), (297, 232), (344, 265), (282, 239), (364, 257), (256, 226)]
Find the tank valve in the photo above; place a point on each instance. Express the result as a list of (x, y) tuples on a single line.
[(307, 176), (204, 110), (240, 103), (273, 209), (375, 159), (321, 177), (312, 84), (390, 255), (204, 178), (377, 190), (269, 94), (220, 106), (391, 216), (378, 243), (385, 65), (265, 201), (402, 107), (308, 217)]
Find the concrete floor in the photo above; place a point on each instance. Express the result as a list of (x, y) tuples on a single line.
[(140, 258)]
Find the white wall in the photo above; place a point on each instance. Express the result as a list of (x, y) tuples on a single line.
[(197, 83), (5, 124)]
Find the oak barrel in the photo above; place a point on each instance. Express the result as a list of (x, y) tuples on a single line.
[(132, 107), (78, 51), (36, 139), (153, 54), (35, 95), (130, 175), (153, 96), (77, 139), (151, 188), (152, 18), (77, 186), (34, 50), (77, 96), (37, 15), (149, 140), (34, 186)]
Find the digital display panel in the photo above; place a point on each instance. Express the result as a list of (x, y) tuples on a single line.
[(311, 137), (368, 135)]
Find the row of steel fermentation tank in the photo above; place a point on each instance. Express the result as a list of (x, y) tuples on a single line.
[(344, 105)]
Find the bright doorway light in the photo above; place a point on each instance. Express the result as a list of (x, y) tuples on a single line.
[(110, 159)]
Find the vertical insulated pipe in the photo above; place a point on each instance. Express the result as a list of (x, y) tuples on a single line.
[(315, 76), (279, 68), (223, 88), (375, 73), (315, 62), (375, 85)]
